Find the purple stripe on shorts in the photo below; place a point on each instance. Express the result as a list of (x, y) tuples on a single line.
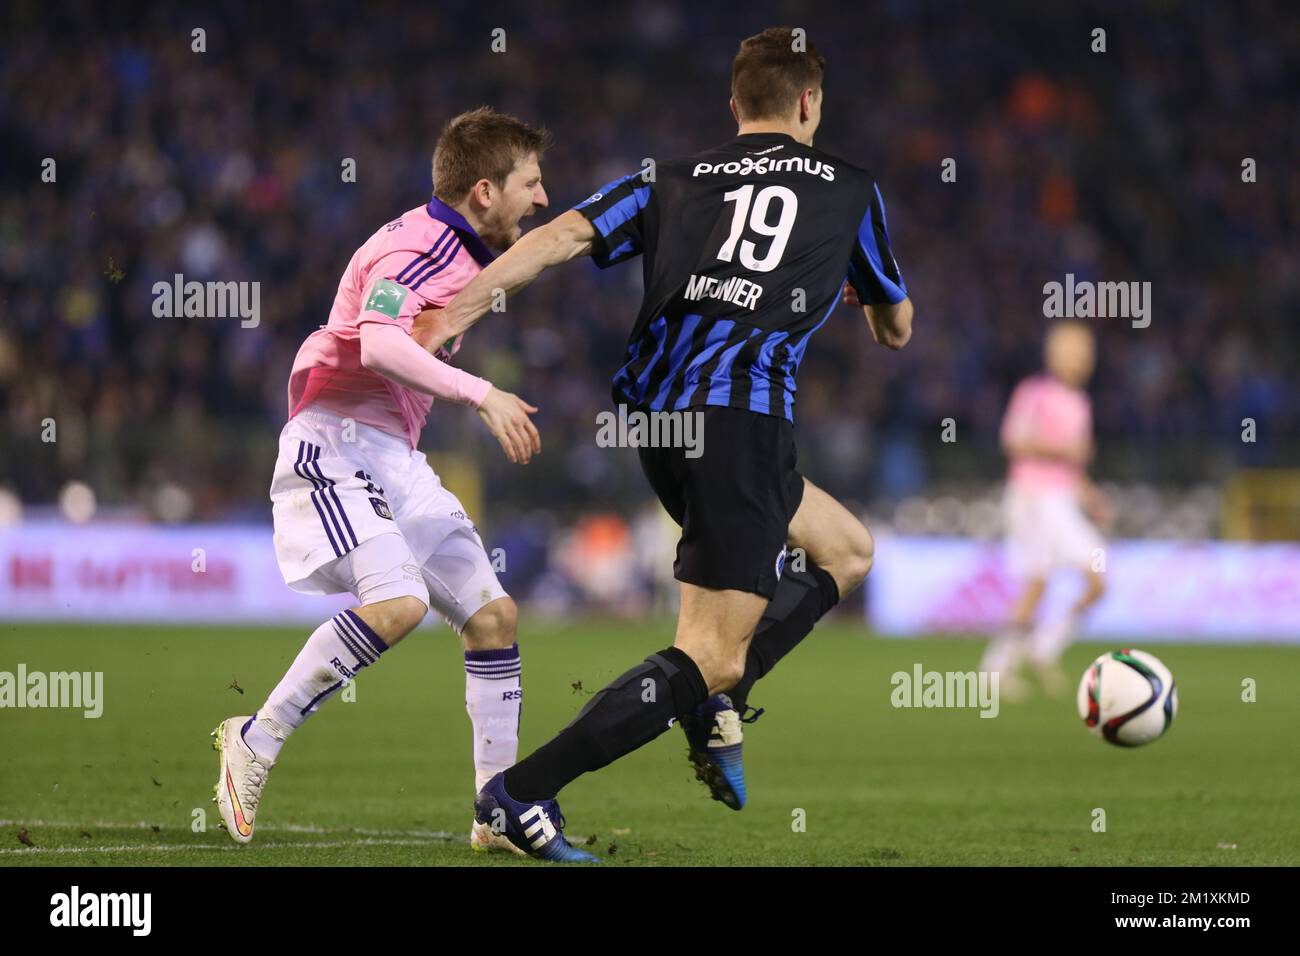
[(328, 485), (301, 473)]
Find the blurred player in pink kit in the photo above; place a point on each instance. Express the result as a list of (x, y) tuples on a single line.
[(356, 506), (1051, 506)]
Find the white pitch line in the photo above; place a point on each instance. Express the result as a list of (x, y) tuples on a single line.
[(282, 827), (178, 847)]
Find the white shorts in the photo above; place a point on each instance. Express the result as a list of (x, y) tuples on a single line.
[(1048, 530), (369, 516)]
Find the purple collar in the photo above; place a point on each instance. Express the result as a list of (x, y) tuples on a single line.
[(440, 211)]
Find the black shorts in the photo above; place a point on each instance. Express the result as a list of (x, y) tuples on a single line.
[(734, 501)]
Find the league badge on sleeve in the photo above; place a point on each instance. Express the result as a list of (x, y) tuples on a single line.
[(386, 298)]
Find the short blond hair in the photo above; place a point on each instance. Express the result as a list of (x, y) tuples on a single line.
[(482, 144)]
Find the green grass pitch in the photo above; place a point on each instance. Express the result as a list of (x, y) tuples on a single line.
[(387, 779)]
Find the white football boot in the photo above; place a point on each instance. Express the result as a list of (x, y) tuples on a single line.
[(243, 777), (483, 840)]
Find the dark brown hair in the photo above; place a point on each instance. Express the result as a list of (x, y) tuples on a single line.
[(481, 144), (768, 74)]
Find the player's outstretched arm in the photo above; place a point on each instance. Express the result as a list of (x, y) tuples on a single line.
[(563, 238), (890, 324), (389, 351)]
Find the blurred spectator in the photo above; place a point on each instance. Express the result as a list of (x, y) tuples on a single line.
[(226, 165)]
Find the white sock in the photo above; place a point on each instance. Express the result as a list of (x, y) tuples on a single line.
[(493, 700), (1052, 638), (333, 655), (1005, 652)]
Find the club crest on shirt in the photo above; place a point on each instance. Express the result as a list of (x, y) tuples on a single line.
[(381, 508)]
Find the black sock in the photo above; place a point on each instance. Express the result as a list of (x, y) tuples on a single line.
[(801, 598), (631, 711)]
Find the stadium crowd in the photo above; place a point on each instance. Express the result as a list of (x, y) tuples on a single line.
[(228, 164)]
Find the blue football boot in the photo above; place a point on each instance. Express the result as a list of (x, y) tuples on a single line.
[(535, 828), (715, 737)]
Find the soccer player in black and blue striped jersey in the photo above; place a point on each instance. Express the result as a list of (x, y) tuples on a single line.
[(746, 249)]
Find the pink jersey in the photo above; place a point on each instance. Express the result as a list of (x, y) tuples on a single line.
[(1047, 412), (422, 259)]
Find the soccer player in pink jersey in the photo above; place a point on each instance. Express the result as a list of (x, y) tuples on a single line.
[(356, 506), (1047, 434)]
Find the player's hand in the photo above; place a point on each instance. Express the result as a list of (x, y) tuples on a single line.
[(850, 296), (430, 329), (506, 417)]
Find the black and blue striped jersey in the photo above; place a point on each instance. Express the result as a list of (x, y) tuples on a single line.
[(745, 250)]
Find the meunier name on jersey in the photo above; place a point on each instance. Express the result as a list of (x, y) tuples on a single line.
[(737, 291)]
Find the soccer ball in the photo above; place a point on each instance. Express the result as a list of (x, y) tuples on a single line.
[(1128, 698)]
